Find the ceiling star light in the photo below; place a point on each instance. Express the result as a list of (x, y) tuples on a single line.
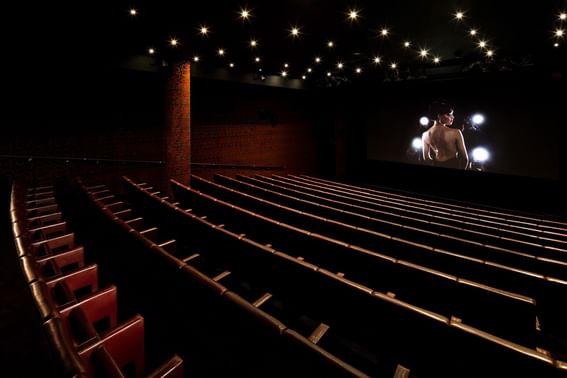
[(286, 65), (203, 30), (151, 51), (221, 52), (353, 14), (309, 70), (473, 32), (377, 60), (340, 66), (459, 15), (257, 59), (173, 42), (423, 53), (196, 59), (436, 60), (482, 44), (384, 32), (253, 43), (393, 66), (559, 33), (563, 16), (231, 65), (329, 74), (304, 77), (358, 70), (407, 44), (133, 12), (294, 31), (489, 53), (245, 14), (330, 44), (317, 60), (284, 73)]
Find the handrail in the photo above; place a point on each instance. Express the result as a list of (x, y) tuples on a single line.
[(68, 159), (239, 166)]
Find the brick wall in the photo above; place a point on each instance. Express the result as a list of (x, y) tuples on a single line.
[(246, 127), (95, 123)]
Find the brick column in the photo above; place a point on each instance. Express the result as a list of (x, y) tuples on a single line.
[(178, 125)]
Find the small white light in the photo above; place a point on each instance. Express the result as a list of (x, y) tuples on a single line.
[(221, 52), (329, 74), (294, 31), (489, 53), (482, 44), (340, 66), (244, 14), (309, 70), (284, 73), (416, 143), (330, 44), (231, 65), (393, 66), (151, 51), (473, 32), (173, 42), (253, 43), (133, 12), (286, 65), (196, 58), (480, 154), (353, 14), (556, 44), (358, 70), (304, 77), (436, 59), (317, 60), (384, 32), (423, 53), (377, 59), (424, 121), (204, 30), (478, 119), (257, 59), (459, 15), (563, 16), (559, 33), (407, 44)]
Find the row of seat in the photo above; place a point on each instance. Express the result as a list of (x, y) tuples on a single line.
[(518, 234), (219, 318), (548, 292), (456, 207), (437, 291), (80, 318), (360, 313), (547, 244), (543, 250)]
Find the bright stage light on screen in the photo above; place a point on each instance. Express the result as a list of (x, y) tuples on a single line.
[(480, 154), (477, 119), (416, 143), (424, 121)]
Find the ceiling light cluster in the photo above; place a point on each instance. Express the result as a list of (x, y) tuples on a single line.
[(559, 29), (473, 32), (423, 54)]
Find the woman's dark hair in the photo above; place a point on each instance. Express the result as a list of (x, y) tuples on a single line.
[(437, 108)]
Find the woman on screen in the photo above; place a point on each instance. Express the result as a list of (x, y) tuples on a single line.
[(442, 145)]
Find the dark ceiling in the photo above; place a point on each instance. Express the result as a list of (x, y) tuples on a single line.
[(521, 34)]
